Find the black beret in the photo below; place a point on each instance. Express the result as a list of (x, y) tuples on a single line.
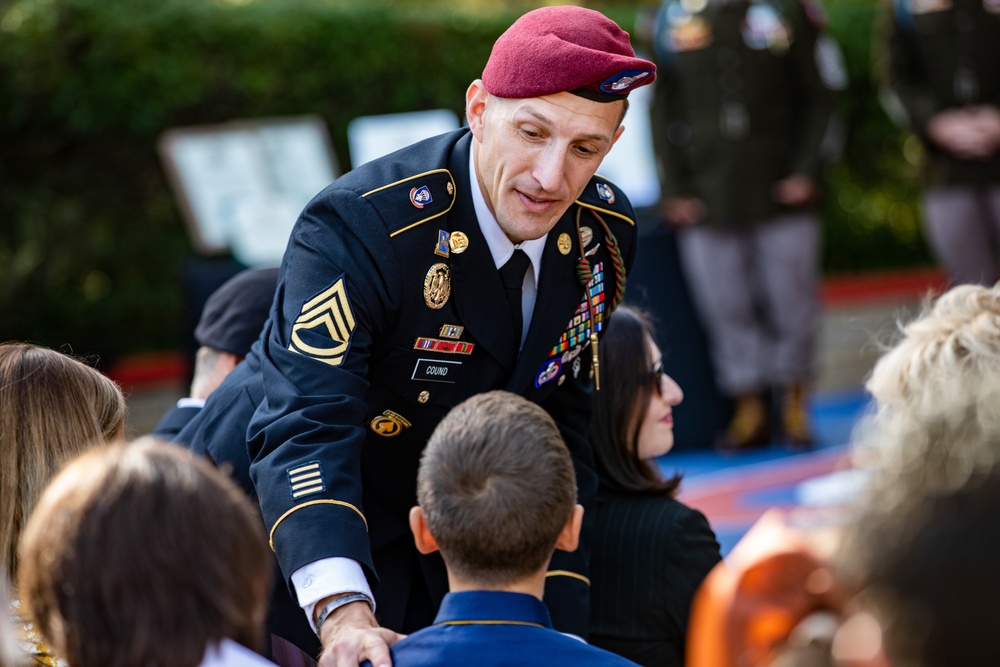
[(235, 313)]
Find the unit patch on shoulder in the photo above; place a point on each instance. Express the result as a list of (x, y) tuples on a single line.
[(306, 479)]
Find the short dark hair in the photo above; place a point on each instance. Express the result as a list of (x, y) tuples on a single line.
[(144, 554), (496, 486), (621, 404)]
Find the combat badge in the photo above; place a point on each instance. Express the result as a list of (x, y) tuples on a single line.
[(421, 196), (437, 286), (327, 317), (389, 424), (565, 243), (441, 248), (458, 242)]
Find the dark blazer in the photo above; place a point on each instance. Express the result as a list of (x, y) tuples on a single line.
[(494, 628), (377, 331), (649, 555)]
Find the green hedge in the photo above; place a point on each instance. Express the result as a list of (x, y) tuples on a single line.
[(92, 244)]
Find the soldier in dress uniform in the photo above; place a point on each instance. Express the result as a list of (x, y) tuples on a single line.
[(486, 258), (743, 120), (942, 70)]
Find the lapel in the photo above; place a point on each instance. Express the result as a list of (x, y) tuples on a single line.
[(559, 294), (478, 292)]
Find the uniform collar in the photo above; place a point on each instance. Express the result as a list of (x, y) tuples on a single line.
[(500, 246), (492, 607)]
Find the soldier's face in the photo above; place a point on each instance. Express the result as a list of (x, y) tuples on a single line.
[(534, 156)]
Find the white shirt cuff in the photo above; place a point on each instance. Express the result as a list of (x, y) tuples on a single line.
[(328, 576)]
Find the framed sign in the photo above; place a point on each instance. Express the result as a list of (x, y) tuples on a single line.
[(241, 185)]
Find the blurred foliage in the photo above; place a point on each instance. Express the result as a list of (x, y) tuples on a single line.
[(871, 214), (92, 244)]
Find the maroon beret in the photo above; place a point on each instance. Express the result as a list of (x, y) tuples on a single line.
[(565, 49)]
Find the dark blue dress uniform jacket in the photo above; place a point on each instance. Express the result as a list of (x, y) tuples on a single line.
[(488, 628), (354, 369)]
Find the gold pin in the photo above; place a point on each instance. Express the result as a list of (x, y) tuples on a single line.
[(565, 243), (389, 424), (586, 236), (424, 396), (437, 286), (450, 188), (458, 242)]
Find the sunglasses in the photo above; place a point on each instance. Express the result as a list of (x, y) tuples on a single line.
[(657, 377)]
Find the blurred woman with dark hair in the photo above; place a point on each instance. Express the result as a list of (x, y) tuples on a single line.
[(650, 551)]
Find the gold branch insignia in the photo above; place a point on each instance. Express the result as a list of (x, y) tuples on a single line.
[(329, 315)]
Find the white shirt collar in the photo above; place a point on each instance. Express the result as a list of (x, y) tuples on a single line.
[(500, 246)]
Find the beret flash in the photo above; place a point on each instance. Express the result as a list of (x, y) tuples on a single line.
[(565, 49)]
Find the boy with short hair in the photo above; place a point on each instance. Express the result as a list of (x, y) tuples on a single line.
[(497, 495)]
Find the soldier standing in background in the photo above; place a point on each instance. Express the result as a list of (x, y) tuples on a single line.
[(743, 122), (944, 60)]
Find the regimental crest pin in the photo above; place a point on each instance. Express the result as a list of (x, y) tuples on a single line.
[(605, 192), (421, 196), (586, 235), (441, 249), (437, 286)]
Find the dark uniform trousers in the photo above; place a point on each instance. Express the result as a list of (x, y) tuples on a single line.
[(494, 628), (390, 311)]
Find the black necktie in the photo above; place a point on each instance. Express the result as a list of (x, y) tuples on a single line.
[(512, 277)]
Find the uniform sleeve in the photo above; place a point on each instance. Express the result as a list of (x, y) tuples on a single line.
[(306, 436), (816, 105)]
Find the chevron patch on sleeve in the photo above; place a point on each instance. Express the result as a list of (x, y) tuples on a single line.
[(323, 329)]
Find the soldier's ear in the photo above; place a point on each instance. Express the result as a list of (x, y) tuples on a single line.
[(426, 544), (475, 106)]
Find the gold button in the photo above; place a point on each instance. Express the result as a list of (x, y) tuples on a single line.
[(424, 396)]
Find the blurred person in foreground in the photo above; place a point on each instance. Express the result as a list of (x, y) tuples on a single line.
[(230, 322), (497, 496), (743, 124), (650, 551), (922, 557), (485, 258), (940, 69), (52, 407), (145, 554)]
